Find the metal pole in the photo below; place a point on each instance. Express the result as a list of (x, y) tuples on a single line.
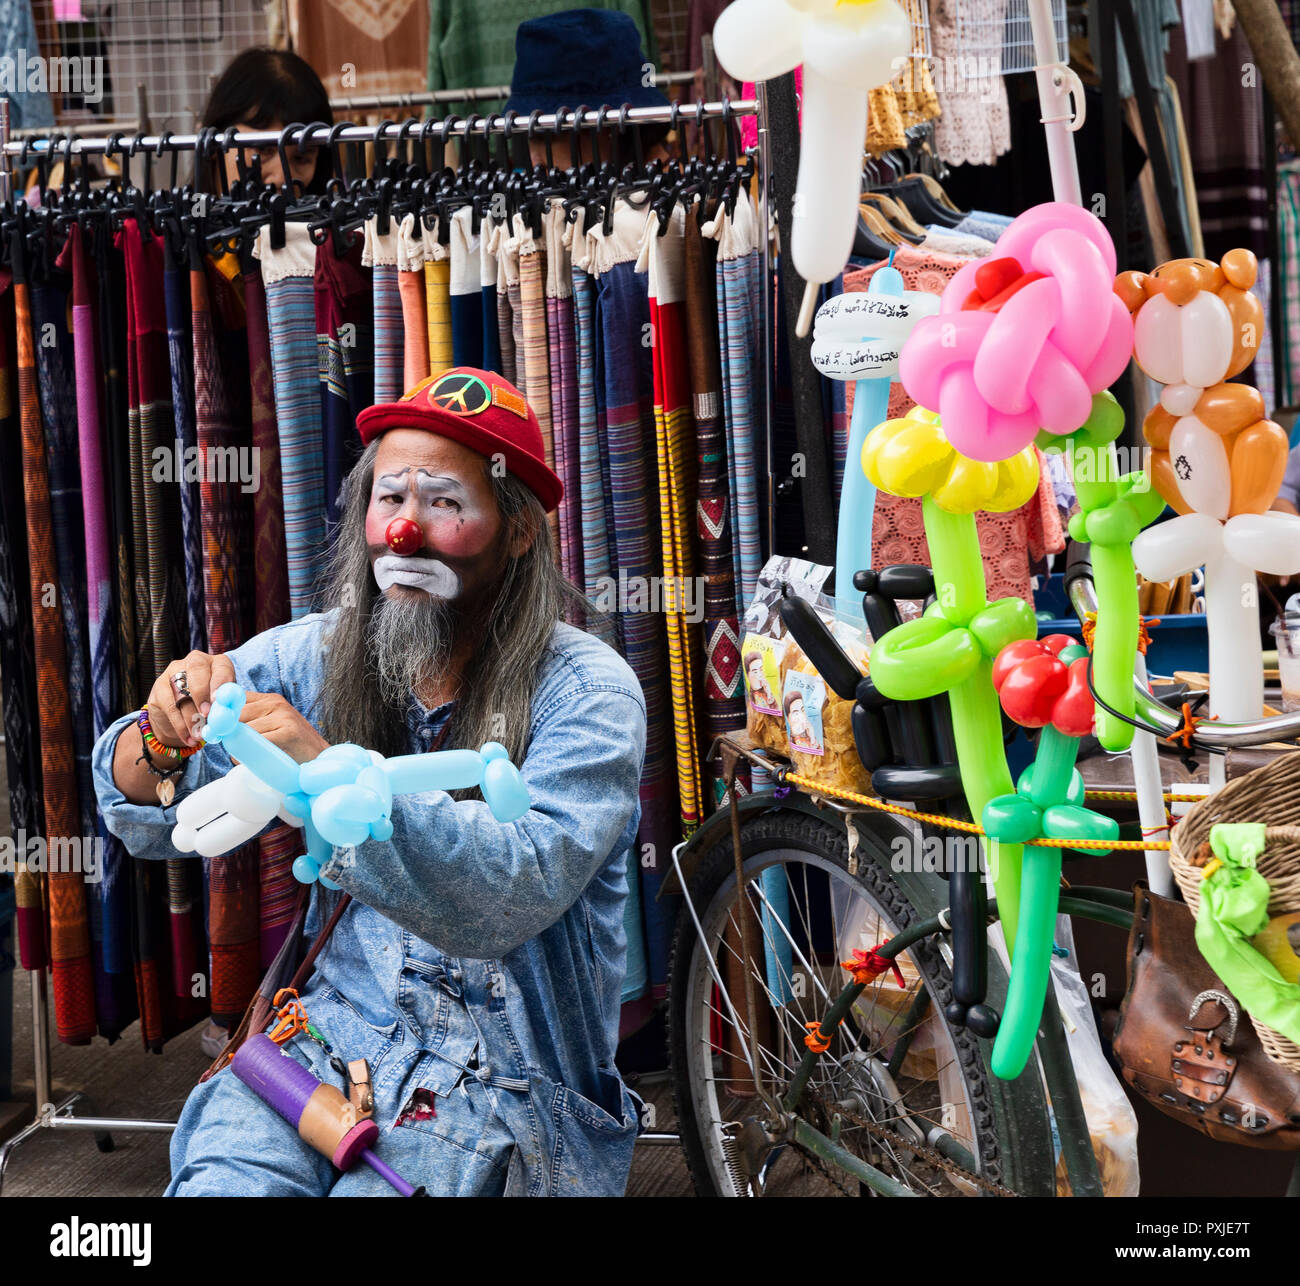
[(1054, 83), (470, 94)]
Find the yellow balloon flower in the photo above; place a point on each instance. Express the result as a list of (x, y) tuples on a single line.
[(913, 457)]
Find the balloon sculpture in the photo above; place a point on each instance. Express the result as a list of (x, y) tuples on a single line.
[(951, 647), (342, 797), (847, 47), (1113, 509), (1042, 683), (1216, 458), (1024, 338), (858, 337)]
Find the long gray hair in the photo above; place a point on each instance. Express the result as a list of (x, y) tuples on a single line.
[(510, 633)]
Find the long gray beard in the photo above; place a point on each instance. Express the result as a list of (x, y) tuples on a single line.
[(409, 642)]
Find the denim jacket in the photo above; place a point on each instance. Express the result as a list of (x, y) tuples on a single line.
[(499, 948)]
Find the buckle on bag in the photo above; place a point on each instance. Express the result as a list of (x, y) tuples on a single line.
[(1201, 1066)]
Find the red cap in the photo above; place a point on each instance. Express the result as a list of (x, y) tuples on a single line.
[(479, 410)]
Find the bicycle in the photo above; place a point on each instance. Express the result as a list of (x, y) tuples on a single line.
[(789, 1080)]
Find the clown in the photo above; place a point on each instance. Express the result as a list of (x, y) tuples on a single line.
[(478, 966)]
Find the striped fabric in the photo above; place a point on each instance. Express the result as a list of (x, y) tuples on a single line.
[(410, 288), (110, 900), (738, 274), (536, 363), (380, 255), (287, 274), (488, 290), (595, 518), (345, 350), (17, 657), (506, 255), (270, 567), (277, 888), (664, 257), (180, 353), (437, 300), (564, 391), (466, 291), (724, 692), (624, 366), (68, 928)]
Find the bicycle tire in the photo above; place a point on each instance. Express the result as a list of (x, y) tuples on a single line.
[(1011, 1121)]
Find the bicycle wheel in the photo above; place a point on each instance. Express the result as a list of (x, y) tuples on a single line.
[(896, 1078)]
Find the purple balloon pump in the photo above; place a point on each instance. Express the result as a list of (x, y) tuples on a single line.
[(319, 1112)]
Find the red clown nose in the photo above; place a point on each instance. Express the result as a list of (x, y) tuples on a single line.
[(404, 536)]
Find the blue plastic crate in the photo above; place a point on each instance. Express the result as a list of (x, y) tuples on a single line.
[(1178, 642)]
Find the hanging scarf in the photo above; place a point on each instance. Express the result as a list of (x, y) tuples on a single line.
[(488, 272), (270, 568), (180, 352), (663, 259), (535, 365), (437, 294), (410, 286), (288, 274), (345, 346), (466, 291), (69, 935), (506, 255), (724, 694), (18, 657), (379, 254)]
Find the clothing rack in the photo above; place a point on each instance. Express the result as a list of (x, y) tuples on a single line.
[(51, 1115), (470, 94)]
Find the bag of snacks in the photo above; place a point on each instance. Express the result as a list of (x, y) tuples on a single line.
[(819, 723)]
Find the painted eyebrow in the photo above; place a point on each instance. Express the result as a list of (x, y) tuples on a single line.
[(439, 480)]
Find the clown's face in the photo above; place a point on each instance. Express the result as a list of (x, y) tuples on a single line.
[(443, 488)]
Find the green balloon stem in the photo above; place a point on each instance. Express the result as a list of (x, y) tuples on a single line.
[(1053, 767), (1027, 989), (1114, 644), (955, 557)]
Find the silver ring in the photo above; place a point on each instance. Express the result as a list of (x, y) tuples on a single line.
[(181, 686)]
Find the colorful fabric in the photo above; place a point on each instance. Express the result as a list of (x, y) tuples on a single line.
[(437, 301), (379, 254), (180, 352), (487, 263), (410, 287), (270, 566), (739, 273), (345, 346), (624, 370), (505, 254), (466, 291), (288, 274), (664, 259), (723, 706), (159, 575), (68, 926), (535, 368)]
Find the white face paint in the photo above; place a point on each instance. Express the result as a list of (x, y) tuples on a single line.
[(427, 574)]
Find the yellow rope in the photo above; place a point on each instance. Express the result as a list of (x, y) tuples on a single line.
[(1132, 794), (934, 819)]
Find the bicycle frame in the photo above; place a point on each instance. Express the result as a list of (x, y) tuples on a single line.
[(1107, 906)]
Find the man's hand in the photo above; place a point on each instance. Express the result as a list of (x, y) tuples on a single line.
[(175, 722), (271, 714)]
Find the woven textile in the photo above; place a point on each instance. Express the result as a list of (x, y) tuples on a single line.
[(564, 393), (437, 301), (227, 480), (110, 899), (664, 259), (487, 261), (739, 272), (535, 366), (159, 576), (380, 256), (466, 291), (345, 348), (287, 274), (180, 352), (270, 567), (505, 255), (410, 288), (68, 928), (723, 707), (624, 369)]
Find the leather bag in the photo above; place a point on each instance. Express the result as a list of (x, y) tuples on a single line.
[(1187, 1047)]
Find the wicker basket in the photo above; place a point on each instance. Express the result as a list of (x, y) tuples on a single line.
[(1270, 795)]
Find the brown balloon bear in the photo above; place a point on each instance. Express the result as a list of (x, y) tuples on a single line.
[(1256, 447)]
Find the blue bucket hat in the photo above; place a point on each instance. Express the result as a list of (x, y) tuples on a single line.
[(580, 56)]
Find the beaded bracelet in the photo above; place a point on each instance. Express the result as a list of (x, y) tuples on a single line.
[(152, 742)]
